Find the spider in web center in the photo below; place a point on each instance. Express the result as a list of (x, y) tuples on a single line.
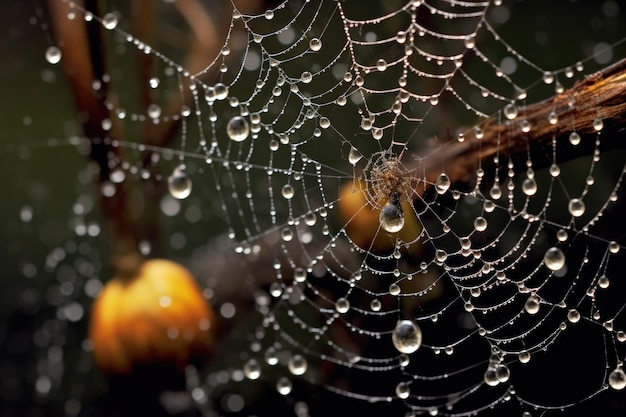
[(389, 183)]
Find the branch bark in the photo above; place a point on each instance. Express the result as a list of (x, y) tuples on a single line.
[(83, 60), (599, 96)]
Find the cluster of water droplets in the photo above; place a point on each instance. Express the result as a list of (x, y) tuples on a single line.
[(276, 168)]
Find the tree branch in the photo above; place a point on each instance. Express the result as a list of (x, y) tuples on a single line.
[(599, 96), (83, 60)]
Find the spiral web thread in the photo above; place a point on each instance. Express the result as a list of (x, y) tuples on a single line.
[(320, 106)]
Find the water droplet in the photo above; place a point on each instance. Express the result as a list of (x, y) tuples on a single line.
[(392, 218), (381, 65), (561, 235), (604, 282), (406, 336), (524, 357), (576, 207), (553, 118), (109, 21), (574, 138), (269, 14), (442, 184), (441, 255), (548, 77), (573, 316), (297, 365), (342, 305), (490, 377), (554, 170), (502, 372), (532, 304), (221, 91), (299, 275), (495, 192), (614, 247), (179, 183), (306, 77), (252, 369), (617, 379), (237, 129), (154, 110), (315, 44), (284, 386), (510, 111), (470, 42), (286, 234), (554, 258), (394, 289), (480, 224), (310, 219), (598, 124), (287, 191), (375, 305), (525, 126), (354, 156), (529, 186), (403, 390), (53, 55)]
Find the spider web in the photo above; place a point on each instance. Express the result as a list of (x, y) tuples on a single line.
[(375, 282)]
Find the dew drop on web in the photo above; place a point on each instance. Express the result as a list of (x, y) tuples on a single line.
[(237, 129), (617, 379), (354, 156), (297, 364), (442, 183), (554, 258), (406, 336), (576, 207), (109, 21), (53, 55), (392, 218), (179, 184)]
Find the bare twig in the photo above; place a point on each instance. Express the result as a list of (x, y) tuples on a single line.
[(599, 96), (83, 60)]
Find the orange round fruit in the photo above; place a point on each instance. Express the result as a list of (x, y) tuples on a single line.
[(157, 316)]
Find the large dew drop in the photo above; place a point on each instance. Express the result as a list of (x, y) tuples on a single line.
[(284, 386), (529, 186), (407, 336), (238, 129), (532, 304), (315, 44), (287, 191), (297, 365), (510, 111), (354, 156), (179, 183), (109, 21), (392, 218), (442, 184), (554, 258), (221, 91), (617, 379), (403, 390), (53, 55), (252, 369), (576, 207)]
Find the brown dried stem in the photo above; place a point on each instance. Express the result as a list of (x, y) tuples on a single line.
[(601, 95), (83, 60)]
